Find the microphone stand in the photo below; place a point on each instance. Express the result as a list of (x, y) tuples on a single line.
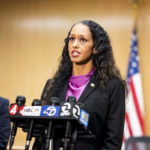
[(74, 138), (72, 100), (49, 140), (35, 102), (67, 135), (20, 101), (54, 101), (29, 135), (13, 133)]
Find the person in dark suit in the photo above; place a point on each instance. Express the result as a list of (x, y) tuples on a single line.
[(87, 71), (4, 123)]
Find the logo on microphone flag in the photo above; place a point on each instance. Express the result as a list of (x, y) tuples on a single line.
[(76, 111), (13, 109), (21, 110), (84, 117), (52, 111), (66, 109), (31, 111)]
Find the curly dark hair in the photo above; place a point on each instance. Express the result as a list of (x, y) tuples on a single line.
[(103, 61)]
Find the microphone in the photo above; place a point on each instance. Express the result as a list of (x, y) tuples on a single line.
[(54, 101), (73, 109), (36, 102), (20, 101), (72, 101)]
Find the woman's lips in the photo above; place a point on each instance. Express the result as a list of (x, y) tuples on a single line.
[(75, 53)]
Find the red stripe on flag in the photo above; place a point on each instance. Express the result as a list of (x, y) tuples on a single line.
[(137, 105), (123, 137), (128, 124)]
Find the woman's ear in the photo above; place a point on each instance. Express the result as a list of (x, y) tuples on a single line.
[(94, 51)]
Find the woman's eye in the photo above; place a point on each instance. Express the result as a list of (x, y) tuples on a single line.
[(71, 39), (83, 40)]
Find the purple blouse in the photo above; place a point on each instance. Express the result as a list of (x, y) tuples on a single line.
[(77, 84)]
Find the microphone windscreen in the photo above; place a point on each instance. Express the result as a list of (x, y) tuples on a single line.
[(71, 99), (54, 101), (20, 99), (36, 102)]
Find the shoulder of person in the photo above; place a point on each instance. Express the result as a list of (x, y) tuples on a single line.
[(48, 81), (114, 83), (45, 88), (4, 100), (3, 103), (116, 90)]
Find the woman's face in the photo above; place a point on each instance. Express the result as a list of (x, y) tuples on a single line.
[(80, 44)]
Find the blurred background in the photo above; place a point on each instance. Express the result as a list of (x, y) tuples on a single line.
[(32, 36)]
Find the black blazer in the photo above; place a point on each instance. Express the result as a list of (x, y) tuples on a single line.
[(4, 123), (106, 106)]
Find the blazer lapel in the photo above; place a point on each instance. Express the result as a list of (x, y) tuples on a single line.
[(89, 88)]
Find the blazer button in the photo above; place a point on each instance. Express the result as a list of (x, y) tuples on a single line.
[(92, 85)]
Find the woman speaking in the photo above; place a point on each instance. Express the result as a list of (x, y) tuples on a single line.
[(87, 70)]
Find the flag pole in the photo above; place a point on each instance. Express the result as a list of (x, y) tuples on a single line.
[(135, 7)]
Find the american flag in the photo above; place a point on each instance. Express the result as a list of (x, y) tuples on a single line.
[(134, 119)]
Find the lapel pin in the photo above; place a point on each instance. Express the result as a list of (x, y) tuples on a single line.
[(92, 85)]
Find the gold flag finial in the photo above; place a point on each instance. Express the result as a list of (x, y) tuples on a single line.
[(135, 5), (135, 1)]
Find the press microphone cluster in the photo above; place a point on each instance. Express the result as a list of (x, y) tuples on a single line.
[(37, 119)]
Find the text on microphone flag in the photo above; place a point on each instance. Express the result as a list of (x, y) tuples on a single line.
[(31, 111)]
